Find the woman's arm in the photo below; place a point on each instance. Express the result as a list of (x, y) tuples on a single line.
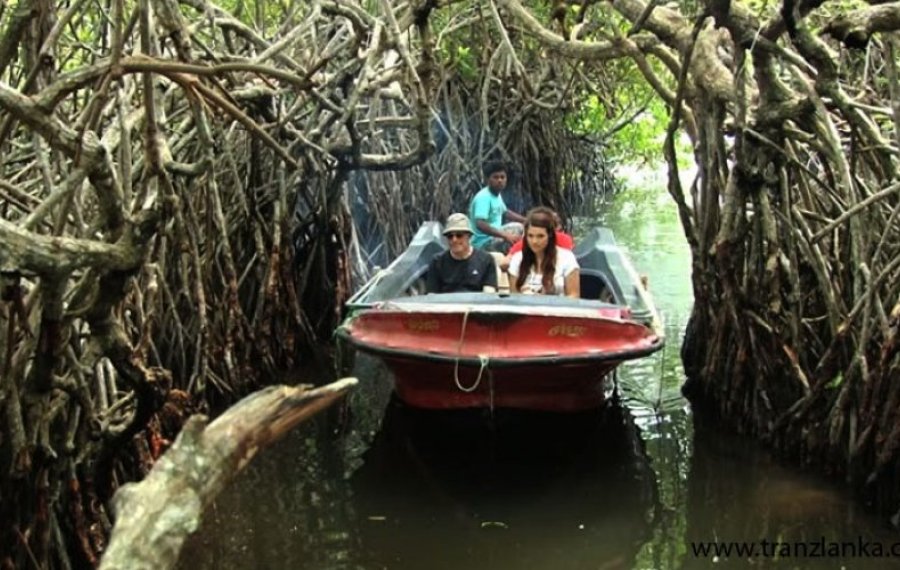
[(573, 284), (513, 283), (515, 266)]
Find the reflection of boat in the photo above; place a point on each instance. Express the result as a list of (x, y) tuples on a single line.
[(462, 350), (449, 489)]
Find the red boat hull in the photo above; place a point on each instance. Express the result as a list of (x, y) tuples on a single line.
[(566, 388), (448, 356)]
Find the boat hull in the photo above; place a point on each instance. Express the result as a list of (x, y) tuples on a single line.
[(518, 353), (436, 385)]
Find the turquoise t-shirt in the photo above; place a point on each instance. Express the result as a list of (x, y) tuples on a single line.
[(485, 206)]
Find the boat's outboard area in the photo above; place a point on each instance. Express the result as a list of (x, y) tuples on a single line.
[(606, 275)]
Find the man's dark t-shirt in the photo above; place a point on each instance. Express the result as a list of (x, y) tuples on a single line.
[(448, 275)]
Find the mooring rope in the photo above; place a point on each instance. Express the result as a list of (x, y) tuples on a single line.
[(483, 359)]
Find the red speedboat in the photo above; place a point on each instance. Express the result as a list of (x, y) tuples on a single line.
[(537, 352)]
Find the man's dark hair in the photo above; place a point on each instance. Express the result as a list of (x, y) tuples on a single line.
[(494, 166)]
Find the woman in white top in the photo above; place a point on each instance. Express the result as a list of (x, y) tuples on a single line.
[(541, 267)]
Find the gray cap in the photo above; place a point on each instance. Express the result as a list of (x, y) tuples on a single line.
[(457, 223)]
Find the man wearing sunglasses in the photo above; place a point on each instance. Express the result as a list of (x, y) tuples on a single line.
[(462, 267)]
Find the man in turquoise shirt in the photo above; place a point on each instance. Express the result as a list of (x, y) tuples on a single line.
[(488, 212)]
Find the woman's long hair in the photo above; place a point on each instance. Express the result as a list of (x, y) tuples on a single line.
[(539, 219)]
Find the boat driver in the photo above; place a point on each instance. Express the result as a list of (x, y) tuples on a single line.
[(462, 267), (489, 213)]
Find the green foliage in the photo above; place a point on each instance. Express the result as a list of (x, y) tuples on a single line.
[(831, 10), (264, 15), (763, 8), (643, 137), (465, 62), (633, 134), (835, 382)]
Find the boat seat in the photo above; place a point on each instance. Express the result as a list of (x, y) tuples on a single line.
[(502, 275), (596, 288)]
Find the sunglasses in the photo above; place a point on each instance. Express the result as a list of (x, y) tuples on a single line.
[(457, 235)]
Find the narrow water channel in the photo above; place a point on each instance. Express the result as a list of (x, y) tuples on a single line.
[(643, 484)]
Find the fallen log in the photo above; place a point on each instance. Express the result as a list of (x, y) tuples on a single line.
[(155, 516)]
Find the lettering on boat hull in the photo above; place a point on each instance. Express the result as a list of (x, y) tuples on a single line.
[(422, 325), (567, 330)]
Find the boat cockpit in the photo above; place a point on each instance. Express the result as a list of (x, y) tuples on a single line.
[(606, 273)]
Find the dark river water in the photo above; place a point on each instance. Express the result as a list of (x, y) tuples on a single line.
[(643, 484)]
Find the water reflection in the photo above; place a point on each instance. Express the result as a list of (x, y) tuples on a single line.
[(439, 490), (289, 509), (737, 492), (517, 490)]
